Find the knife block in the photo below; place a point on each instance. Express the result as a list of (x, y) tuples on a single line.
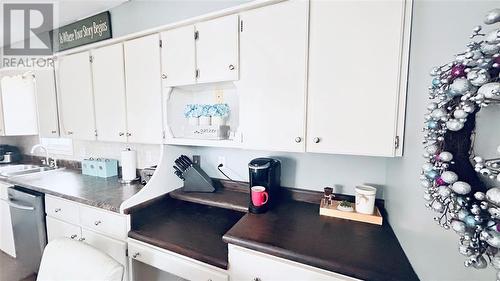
[(196, 180)]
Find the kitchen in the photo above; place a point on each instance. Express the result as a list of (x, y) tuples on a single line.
[(204, 99)]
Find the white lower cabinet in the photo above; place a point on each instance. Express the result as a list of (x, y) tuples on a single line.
[(173, 263), (6, 233), (249, 265), (101, 229)]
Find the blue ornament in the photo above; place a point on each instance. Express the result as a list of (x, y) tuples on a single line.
[(436, 82), (432, 124), (431, 174), (470, 221)]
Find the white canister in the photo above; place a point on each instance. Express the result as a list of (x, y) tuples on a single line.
[(218, 120), (193, 121), (205, 120), (365, 199)]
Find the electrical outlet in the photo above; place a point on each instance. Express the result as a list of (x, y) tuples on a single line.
[(221, 160), (219, 95)]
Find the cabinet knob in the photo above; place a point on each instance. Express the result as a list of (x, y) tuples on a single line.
[(97, 223), (256, 279), (135, 255), (231, 67), (298, 139), (129, 134), (164, 76), (121, 134), (54, 131), (81, 239), (73, 236), (57, 210), (70, 132), (316, 140)]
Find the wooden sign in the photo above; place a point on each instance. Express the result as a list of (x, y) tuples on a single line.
[(86, 31)]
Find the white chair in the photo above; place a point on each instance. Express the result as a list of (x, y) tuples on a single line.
[(69, 260)]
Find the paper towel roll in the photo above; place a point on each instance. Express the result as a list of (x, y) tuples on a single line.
[(129, 164)]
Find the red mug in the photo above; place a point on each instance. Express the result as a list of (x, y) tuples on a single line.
[(259, 195)]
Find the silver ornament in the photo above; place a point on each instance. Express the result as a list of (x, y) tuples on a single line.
[(490, 49), (438, 113), (479, 196), (465, 250), (444, 191), (458, 226), (445, 156), (427, 167), (432, 149), (493, 37), (432, 106), (492, 16), (425, 183), (493, 195), (437, 206), (460, 114), (494, 212), (490, 90), (427, 197), (454, 125), (478, 77), (461, 187), (480, 263), (462, 214), (460, 85)]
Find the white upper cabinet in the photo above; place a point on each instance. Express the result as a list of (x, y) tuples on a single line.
[(109, 93), (217, 49), (357, 76), (143, 87), (272, 85), (48, 122), (76, 102), (19, 105), (178, 56)]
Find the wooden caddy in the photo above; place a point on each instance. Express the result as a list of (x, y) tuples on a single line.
[(332, 211)]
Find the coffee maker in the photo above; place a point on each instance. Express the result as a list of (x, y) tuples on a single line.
[(264, 172)]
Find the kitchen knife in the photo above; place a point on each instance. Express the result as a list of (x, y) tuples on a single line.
[(177, 169), (179, 174), (184, 162), (180, 165), (187, 159)]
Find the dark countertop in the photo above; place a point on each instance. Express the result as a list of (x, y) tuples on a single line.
[(294, 230), (189, 229), (70, 184)]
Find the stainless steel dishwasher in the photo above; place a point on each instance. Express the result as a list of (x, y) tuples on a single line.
[(28, 223)]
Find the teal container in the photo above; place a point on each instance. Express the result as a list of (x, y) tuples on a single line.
[(107, 168), (89, 167)]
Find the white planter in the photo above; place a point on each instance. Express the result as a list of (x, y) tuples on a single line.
[(205, 121), (365, 199), (193, 121), (218, 120)]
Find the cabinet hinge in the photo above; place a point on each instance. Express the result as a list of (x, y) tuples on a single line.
[(161, 43), (196, 35), (241, 25), (126, 252), (397, 142), (163, 134), (197, 73), (91, 59), (95, 133)]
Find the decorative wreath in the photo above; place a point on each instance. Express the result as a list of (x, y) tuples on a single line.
[(453, 177)]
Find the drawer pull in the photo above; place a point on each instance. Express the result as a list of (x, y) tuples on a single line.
[(135, 255), (96, 223), (73, 236), (57, 210), (81, 239), (256, 279)]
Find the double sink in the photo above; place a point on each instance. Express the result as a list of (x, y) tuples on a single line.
[(22, 169)]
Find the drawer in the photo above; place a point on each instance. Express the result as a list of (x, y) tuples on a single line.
[(266, 267), (57, 229), (174, 263), (105, 222), (115, 248), (62, 209)]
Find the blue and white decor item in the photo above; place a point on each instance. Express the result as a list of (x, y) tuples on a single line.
[(451, 175), (207, 121)]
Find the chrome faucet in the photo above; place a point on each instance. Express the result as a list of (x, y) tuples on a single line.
[(53, 163)]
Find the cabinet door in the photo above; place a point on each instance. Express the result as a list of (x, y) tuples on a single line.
[(76, 102), (143, 84), (272, 84), (109, 93), (6, 233), (58, 229), (19, 105), (116, 249), (217, 49), (355, 76), (178, 56), (48, 122)]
